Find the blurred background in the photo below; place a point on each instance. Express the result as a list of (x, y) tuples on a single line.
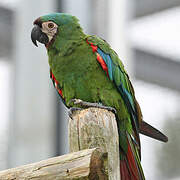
[(145, 34)]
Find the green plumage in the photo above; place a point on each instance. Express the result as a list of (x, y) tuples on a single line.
[(76, 69), (80, 76), (85, 67)]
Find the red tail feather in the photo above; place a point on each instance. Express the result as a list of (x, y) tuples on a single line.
[(124, 171), (132, 164), (130, 169)]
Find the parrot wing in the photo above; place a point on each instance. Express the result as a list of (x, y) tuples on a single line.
[(114, 68)]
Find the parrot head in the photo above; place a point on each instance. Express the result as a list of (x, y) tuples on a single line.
[(47, 28)]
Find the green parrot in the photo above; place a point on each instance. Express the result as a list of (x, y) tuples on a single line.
[(86, 72)]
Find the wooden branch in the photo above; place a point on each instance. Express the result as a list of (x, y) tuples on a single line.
[(89, 164), (95, 127)]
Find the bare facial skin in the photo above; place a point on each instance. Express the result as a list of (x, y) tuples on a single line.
[(50, 29)]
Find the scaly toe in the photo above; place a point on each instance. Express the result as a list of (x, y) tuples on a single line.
[(72, 110)]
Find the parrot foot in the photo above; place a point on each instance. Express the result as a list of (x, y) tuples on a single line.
[(72, 110), (96, 105)]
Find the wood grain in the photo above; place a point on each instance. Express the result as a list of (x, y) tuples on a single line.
[(89, 164)]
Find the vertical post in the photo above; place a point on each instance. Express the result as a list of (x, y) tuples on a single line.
[(93, 127), (32, 124)]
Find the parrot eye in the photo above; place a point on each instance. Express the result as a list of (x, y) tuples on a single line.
[(50, 25)]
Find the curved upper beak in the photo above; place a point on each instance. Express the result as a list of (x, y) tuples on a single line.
[(38, 35)]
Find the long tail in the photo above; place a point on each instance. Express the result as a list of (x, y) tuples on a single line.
[(130, 165), (152, 132)]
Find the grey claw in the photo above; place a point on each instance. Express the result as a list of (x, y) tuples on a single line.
[(72, 110)]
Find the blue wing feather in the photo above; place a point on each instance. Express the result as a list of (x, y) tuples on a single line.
[(108, 61)]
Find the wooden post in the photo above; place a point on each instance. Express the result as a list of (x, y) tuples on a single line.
[(89, 164), (95, 127)]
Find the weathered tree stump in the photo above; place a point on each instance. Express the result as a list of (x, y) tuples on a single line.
[(93, 127), (89, 164)]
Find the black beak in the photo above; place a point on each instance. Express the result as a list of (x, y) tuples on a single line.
[(38, 35)]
